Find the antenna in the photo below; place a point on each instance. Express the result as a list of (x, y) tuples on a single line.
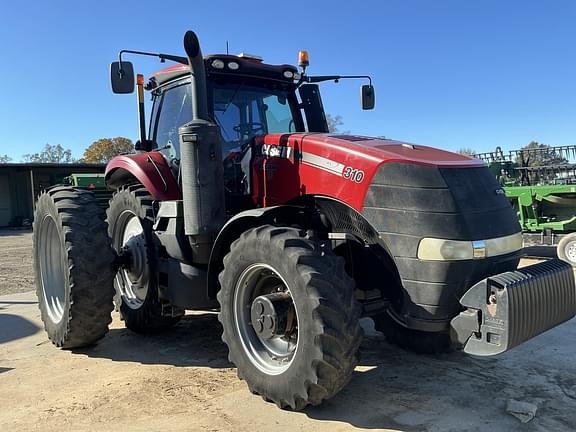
[(227, 53)]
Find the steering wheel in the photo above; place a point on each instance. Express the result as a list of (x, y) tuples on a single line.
[(249, 128)]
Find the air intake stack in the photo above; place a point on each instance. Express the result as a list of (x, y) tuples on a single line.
[(201, 163)]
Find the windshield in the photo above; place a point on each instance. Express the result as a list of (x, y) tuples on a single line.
[(243, 111)]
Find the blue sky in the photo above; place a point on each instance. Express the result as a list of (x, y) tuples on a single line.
[(450, 74)]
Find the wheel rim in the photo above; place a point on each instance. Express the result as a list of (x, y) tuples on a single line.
[(52, 269), (272, 355), (570, 251), (132, 279)]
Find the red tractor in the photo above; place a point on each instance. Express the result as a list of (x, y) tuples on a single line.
[(240, 200)]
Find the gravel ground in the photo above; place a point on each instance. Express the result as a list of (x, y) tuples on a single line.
[(16, 273), (181, 380)]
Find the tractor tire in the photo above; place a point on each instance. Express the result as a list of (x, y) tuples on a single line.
[(130, 220), (566, 249), (312, 351), (73, 263), (417, 341)]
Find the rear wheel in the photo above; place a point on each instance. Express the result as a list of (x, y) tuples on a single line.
[(73, 263), (566, 249), (130, 219), (289, 316)]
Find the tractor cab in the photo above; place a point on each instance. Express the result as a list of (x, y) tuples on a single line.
[(246, 98)]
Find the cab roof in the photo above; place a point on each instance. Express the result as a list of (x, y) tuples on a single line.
[(247, 67)]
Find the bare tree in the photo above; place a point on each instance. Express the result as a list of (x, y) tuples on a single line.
[(536, 154), (50, 154), (333, 124)]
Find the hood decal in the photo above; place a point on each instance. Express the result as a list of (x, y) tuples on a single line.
[(323, 163)]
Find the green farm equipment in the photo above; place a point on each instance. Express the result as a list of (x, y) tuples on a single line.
[(93, 182), (543, 194)]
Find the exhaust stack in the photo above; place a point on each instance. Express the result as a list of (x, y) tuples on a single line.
[(201, 163)]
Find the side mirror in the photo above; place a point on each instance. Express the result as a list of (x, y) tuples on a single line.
[(368, 97), (122, 77)]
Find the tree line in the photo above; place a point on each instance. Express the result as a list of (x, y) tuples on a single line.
[(100, 151)]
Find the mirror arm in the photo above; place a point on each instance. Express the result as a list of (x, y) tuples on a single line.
[(321, 78), (162, 57)]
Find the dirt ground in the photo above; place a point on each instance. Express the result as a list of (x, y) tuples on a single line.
[(15, 261), (182, 381)]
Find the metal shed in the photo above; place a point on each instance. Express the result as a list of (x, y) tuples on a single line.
[(20, 184)]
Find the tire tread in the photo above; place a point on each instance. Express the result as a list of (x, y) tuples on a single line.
[(337, 332), (80, 221)]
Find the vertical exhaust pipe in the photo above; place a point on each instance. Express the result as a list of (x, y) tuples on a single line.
[(201, 163), (198, 72)]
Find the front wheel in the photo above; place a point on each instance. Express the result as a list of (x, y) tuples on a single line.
[(289, 316)]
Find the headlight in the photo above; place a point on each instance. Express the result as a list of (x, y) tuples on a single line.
[(233, 66), (453, 250), (503, 245), (218, 64)]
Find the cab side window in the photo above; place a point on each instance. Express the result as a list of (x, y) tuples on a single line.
[(175, 110)]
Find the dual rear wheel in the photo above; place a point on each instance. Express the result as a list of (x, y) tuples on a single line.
[(76, 264)]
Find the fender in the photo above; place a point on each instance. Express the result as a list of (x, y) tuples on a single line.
[(297, 212), (235, 227), (149, 168)]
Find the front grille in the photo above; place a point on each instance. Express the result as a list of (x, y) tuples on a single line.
[(407, 202)]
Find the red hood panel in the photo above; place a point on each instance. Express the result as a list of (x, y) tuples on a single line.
[(386, 150), (337, 166)]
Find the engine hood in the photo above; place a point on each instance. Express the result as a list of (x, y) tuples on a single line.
[(338, 166), (387, 150)]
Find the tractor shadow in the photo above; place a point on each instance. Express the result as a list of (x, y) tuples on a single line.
[(13, 232), (194, 341), (395, 389), (540, 251), (398, 390), (14, 327)]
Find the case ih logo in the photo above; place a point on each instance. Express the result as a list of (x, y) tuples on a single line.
[(279, 151), (350, 173)]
